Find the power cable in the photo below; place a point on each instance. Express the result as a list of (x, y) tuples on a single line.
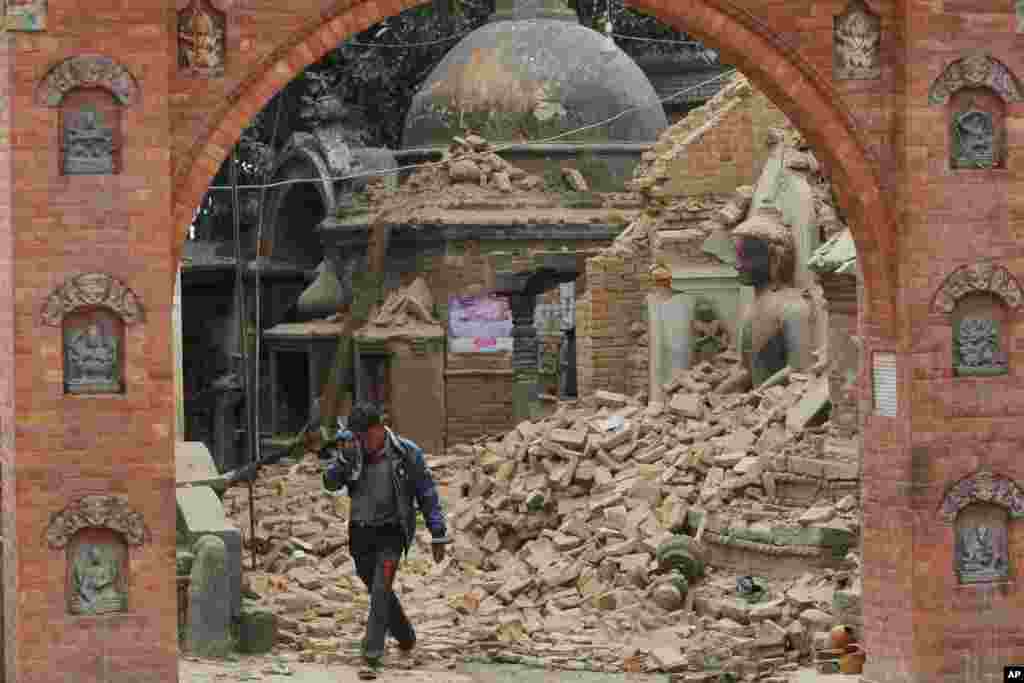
[(500, 148), (427, 43)]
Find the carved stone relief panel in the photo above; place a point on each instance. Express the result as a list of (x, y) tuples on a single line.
[(92, 289), (974, 140), (93, 352), (856, 43), (101, 511), (983, 487), (87, 71), (97, 569), (981, 553), (201, 39), (976, 71), (89, 135), (25, 15), (984, 277)]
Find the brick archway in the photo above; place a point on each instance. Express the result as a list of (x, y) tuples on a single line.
[(746, 41)]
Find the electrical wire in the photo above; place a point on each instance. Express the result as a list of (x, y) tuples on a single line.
[(427, 43), (500, 148)]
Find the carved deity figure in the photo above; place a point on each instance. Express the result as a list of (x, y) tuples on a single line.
[(974, 142), (200, 39), (92, 360), (88, 143), (977, 344), (710, 336), (777, 329), (857, 36), (981, 553), (94, 577)]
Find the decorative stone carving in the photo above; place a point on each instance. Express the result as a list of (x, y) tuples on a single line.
[(988, 278), (710, 336), (976, 345), (92, 354), (976, 71), (857, 37), (983, 487), (87, 71), (88, 142), (974, 140), (102, 511), (201, 45), (97, 586), (981, 552), (25, 15), (92, 289)]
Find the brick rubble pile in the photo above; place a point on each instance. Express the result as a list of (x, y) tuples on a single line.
[(609, 536)]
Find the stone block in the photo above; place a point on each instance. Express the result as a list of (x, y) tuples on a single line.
[(573, 438), (811, 404), (841, 470), (194, 466), (201, 513), (806, 466), (687, 405)]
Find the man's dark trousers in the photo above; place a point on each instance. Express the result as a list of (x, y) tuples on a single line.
[(376, 551)]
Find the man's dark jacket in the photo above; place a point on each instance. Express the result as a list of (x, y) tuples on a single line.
[(414, 486)]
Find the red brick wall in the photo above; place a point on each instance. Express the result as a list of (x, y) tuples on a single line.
[(70, 446), (418, 395), (8, 509), (478, 388)]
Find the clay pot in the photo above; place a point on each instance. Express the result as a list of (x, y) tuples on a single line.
[(840, 636), (853, 661)]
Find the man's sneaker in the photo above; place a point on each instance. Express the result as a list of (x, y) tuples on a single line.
[(406, 648), (370, 669)]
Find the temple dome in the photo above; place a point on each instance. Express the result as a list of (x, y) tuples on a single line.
[(514, 80)]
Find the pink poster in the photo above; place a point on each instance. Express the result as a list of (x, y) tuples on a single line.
[(479, 324)]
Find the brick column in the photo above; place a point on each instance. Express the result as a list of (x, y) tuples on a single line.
[(524, 355)]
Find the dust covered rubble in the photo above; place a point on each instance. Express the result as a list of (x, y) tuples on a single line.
[(560, 529)]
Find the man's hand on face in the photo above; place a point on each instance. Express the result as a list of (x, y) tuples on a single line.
[(438, 550)]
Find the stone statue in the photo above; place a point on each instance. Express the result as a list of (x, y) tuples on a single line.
[(974, 143), (981, 553), (977, 344), (94, 578), (200, 39), (778, 327), (92, 361), (710, 336), (857, 39)]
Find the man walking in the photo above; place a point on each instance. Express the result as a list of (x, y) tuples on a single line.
[(387, 479)]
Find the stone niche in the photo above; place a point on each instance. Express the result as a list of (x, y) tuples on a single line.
[(976, 90), (93, 352), (856, 43), (92, 311), (89, 91), (97, 576), (90, 133), (94, 532), (979, 300), (980, 336), (202, 27), (977, 130), (981, 507), (982, 552)]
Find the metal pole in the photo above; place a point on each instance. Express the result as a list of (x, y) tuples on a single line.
[(242, 346)]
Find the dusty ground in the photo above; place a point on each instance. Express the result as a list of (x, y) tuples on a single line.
[(277, 670)]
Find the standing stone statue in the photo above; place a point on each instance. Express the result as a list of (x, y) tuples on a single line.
[(778, 327)]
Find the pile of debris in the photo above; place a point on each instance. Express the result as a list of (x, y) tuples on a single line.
[(704, 536)]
